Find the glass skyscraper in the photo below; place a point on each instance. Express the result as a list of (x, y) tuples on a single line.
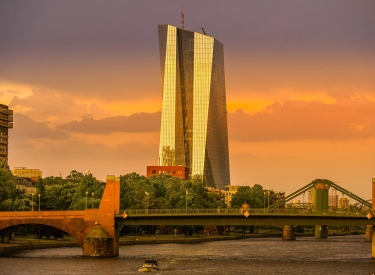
[(194, 130)]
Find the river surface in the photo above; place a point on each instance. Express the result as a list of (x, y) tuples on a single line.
[(335, 255)]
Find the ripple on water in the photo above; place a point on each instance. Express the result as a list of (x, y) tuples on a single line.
[(335, 255)]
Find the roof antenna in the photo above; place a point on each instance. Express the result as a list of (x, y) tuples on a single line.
[(203, 31), (182, 18)]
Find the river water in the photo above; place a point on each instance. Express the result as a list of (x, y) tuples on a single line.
[(335, 255)]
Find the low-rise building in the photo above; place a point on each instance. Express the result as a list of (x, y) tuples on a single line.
[(343, 203), (174, 171), (23, 172), (26, 185), (229, 191)]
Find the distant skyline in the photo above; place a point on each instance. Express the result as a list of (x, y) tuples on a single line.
[(83, 79)]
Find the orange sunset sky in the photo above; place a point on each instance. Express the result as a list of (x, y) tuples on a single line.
[(83, 79)]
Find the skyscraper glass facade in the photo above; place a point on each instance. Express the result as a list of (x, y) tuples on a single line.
[(194, 130)]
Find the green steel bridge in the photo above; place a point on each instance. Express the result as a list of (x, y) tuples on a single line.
[(276, 214), (238, 217)]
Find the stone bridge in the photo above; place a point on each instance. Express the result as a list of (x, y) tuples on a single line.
[(94, 229)]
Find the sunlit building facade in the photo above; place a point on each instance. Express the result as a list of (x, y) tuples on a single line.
[(194, 130), (6, 123), (23, 172)]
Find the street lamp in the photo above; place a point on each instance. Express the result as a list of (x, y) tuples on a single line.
[(187, 192), (227, 197), (146, 206), (264, 201), (349, 203), (92, 200), (32, 201), (86, 198), (39, 201)]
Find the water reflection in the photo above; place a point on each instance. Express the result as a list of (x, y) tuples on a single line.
[(335, 255)]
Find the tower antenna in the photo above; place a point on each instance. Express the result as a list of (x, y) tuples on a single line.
[(203, 31), (182, 18)]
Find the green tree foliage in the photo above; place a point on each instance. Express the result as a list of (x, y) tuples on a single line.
[(88, 188), (253, 196), (75, 176), (132, 189), (10, 196), (60, 196), (165, 192), (58, 193), (4, 165)]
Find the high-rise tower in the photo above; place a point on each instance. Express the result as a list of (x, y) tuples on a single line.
[(6, 119), (194, 130)]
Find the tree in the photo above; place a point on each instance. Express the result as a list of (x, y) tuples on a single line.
[(132, 189), (10, 195), (87, 186), (74, 176), (4, 166), (41, 192), (253, 196), (60, 196)]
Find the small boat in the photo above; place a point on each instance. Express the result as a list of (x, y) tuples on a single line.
[(150, 265)]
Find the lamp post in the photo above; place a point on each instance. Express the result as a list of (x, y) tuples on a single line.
[(86, 198), (32, 201), (264, 201), (349, 203), (268, 206), (92, 200), (228, 196), (225, 201), (39, 201), (146, 205), (187, 192)]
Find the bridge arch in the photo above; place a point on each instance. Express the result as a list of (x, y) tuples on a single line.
[(70, 228)]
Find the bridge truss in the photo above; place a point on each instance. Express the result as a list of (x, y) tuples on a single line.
[(318, 183)]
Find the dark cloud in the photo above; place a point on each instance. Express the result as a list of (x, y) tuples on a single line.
[(108, 49), (135, 123), (27, 129), (300, 120)]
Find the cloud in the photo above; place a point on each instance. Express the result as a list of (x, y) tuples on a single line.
[(300, 120), (139, 122), (341, 94), (44, 105), (27, 129), (99, 159)]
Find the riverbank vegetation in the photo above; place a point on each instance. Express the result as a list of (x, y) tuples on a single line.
[(79, 191)]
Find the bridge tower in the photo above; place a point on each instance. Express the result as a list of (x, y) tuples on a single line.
[(103, 239), (321, 207), (94, 229)]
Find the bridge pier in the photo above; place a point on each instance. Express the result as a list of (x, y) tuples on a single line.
[(368, 235), (321, 231), (102, 239), (289, 233), (98, 243)]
